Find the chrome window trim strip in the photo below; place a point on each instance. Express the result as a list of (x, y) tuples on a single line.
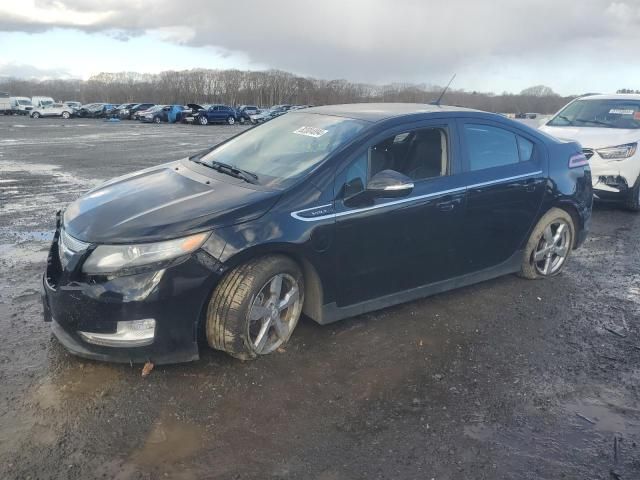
[(297, 213)]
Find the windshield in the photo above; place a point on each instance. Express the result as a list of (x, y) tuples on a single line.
[(283, 149), (618, 113), (24, 102)]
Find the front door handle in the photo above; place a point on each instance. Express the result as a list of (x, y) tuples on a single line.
[(531, 185), (448, 205)]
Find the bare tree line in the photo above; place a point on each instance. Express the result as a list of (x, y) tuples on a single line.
[(265, 88)]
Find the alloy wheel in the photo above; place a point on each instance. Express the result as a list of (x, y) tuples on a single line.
[(203, 120), (553, 248), (274, 313), (231, 120)]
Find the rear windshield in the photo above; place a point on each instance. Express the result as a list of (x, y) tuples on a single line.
[(283, 149), (599, 113)]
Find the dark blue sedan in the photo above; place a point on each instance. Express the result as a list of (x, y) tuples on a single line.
[(215, 114), (329, 212)]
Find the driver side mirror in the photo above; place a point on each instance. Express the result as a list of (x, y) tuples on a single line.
[(389, 184)]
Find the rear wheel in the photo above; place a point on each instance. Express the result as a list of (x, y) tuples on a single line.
[(256, 307), (549, 245), (231, 120), (633, 200), (203, 120)]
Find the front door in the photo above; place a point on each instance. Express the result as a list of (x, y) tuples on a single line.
[(389, 245), (505, 171)]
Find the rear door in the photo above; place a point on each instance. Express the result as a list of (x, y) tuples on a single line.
[(505, 172)]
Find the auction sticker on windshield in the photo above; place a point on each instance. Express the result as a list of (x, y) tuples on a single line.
[(310, 131), (619, 111)]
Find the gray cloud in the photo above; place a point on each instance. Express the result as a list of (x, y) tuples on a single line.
[(15, 70), (374, 40)]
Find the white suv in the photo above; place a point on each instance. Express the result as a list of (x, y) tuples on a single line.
[(608, 128), (52, 110)]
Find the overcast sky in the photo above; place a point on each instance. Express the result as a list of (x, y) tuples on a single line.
[(574, 46)]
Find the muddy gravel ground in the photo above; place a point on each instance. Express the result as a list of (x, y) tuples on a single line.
[(508, 379)]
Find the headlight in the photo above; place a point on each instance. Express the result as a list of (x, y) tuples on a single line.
[(111, 258), (618, 153)]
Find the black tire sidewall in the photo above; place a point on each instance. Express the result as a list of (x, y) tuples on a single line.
[(251, 278), (527, 269)]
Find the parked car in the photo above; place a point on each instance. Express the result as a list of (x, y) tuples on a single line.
[(90, 110), (214, 114), (332, 211), (163, 113), (120, 110), (135, 111), (5, 103), (245, 112), (54, 110), (73, 104), (39, 102), (269, 114), (21, 105), (608, 127)]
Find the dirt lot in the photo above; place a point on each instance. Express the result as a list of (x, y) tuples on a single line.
[(509, 379)]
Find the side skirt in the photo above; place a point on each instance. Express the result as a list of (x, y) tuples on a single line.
[(332, 312)]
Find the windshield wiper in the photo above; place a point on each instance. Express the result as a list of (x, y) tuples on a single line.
[(597, 122), (227, 169)]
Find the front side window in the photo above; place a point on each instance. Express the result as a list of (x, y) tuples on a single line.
[(286, 147), (614, 113), (419, 154), (489, 147)]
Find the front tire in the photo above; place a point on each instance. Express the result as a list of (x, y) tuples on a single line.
[(65, 115), (156, 120), (256, 307), (203, 120), (549, 245), (633, 200), (35, 115), (231, 120)]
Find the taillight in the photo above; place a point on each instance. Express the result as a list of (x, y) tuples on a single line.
[(578, 160)]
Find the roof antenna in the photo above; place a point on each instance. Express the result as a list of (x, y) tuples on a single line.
[(437, 102)]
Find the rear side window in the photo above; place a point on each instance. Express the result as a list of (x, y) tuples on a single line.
[(490, 147)]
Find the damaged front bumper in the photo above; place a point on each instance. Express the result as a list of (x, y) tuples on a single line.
[(151, 316)]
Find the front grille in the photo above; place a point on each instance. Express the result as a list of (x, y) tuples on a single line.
[(588, 152)]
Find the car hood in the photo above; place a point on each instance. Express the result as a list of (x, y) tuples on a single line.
[(590, 137), (161, 203)]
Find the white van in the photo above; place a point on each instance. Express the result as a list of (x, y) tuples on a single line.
[(5, 103), (21, 105), (40, 102)]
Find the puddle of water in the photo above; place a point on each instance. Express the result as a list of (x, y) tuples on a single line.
[(169, 441), (604, 418), (479, 431), (16, 253)]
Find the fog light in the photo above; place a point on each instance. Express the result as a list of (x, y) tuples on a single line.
[(133, 333)]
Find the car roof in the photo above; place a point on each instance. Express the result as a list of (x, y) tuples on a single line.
[(376, 112), (617, 96)]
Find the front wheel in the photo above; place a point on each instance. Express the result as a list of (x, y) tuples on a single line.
[(549, 245), (35, 115), (203, 120), (231, 120), (255, 308), (65, 115), (156, 120), (633, 200)]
